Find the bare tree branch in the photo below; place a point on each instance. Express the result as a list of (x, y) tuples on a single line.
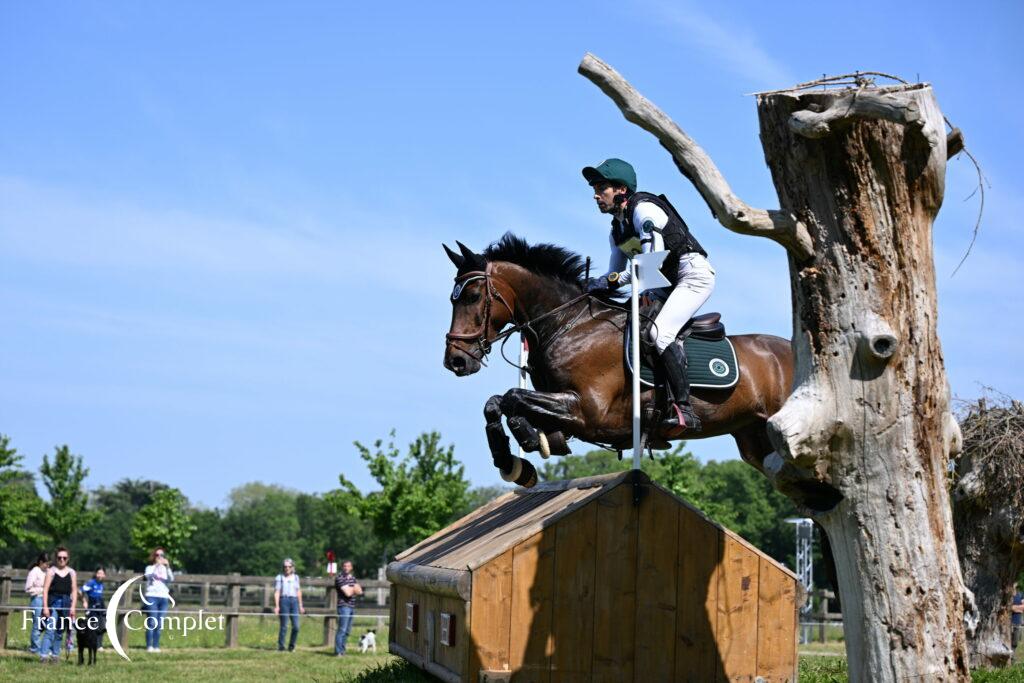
[(892, 104), (697, 166)]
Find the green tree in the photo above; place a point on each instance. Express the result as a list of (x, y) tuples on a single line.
[(164, 522), (481, 495), (324, 526), (206, 550), (108, 542), (420, 493), (261, 528), (19, 503), (67, 510)]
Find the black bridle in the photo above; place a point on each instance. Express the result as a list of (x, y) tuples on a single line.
[(491, 292)]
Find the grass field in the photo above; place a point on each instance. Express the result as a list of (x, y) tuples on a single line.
[(201, 657)]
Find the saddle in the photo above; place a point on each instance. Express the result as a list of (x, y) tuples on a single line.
[(706, 326)]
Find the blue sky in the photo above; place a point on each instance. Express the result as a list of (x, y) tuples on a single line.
[(220, 223)]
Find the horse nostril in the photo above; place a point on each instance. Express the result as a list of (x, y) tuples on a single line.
[(457, 363)]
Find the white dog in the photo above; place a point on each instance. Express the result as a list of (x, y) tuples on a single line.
[(368, 641)]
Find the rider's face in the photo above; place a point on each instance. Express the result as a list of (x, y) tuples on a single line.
[(604, 195)]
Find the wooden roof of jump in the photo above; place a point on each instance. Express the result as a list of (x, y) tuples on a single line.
[(444, 561)]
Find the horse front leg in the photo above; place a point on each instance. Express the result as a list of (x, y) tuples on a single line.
[(542, 420), (512, 468)]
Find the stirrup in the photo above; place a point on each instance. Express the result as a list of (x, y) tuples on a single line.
[(687, 417)]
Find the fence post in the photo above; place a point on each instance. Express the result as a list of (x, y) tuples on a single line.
[(331, 618), (234, 602), (5, 599), (204, 595), (122, 624)]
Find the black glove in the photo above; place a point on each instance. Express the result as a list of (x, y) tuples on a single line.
[(598, 284)]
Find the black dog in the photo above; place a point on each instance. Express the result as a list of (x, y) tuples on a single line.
[(90, 632)]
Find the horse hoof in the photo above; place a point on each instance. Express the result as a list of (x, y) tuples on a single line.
[(517, 471), (528, 478), (545, 448)]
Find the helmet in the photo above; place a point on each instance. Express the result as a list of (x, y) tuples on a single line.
[(612, 170)]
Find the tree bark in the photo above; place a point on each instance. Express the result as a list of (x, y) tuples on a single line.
[(988, 515), (862, 173)]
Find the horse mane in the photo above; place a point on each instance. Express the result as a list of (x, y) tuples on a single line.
[(542, 259)]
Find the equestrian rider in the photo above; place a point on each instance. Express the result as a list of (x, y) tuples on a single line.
[(643, 223)]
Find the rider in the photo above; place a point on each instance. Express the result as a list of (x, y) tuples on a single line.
[(642, 223)]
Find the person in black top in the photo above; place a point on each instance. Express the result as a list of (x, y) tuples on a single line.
[(60, 594)]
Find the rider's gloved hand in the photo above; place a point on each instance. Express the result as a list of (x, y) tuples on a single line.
[(598, 284)]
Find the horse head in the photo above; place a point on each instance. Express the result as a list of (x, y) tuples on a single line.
[(479, 311)]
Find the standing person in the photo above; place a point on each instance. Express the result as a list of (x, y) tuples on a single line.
[(158, 578), (288, 603), (60, 594), (34, 583), (348, 588), (92, 598), (1017, 618), (644, 223)]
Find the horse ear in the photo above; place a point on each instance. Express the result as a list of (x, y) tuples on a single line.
[(457, 259), (472, 258)]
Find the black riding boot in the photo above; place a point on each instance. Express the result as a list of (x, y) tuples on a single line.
[(673, 359)]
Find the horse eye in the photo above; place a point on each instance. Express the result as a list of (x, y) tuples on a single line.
[(471, 298)]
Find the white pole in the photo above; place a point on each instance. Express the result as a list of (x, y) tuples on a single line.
[(524, 356), (634, 335)]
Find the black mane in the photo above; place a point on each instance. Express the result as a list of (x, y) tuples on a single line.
[(542, 259)]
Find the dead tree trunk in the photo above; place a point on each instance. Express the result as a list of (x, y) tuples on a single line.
[(988, 515), (860, 178)]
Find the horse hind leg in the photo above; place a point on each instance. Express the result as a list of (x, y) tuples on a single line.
[(798, 484)]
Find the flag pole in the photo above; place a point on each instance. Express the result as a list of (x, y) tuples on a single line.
[(634, 337)]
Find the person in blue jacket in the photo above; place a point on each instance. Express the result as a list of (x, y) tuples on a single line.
[(92, 596)]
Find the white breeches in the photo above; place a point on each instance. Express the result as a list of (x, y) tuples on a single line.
[(694, 285)]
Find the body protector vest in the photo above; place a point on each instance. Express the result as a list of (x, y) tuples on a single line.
[(676, 234)]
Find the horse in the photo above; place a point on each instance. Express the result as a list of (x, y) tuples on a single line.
[(576, 364)]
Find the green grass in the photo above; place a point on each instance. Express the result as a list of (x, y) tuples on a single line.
[(825, 669), (253, 632), (202, 657), (210, 664)]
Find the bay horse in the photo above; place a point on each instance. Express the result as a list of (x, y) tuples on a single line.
[(577, 364)]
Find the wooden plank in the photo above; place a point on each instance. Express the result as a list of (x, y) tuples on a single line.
[(737, 611), (615, 586), (452, 657), (776, 625), (656, 576), (697, 659), (491, 615), (533, 570), (572, 628)]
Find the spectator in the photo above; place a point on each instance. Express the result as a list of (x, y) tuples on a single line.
[(92, 598), (348, 589), (60, 594), (1017, 620), (34, 583), (158, 576), (288, 603)]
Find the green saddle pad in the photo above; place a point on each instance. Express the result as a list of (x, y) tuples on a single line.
[(710, 364)]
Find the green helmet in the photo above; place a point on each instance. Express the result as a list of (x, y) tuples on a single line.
[(612, 170)]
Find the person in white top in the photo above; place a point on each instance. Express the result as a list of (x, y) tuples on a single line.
[(288, 603), (157, 594), (34, 583), (644, 223)]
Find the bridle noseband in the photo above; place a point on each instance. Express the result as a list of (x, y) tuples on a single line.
[(491, 293)]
